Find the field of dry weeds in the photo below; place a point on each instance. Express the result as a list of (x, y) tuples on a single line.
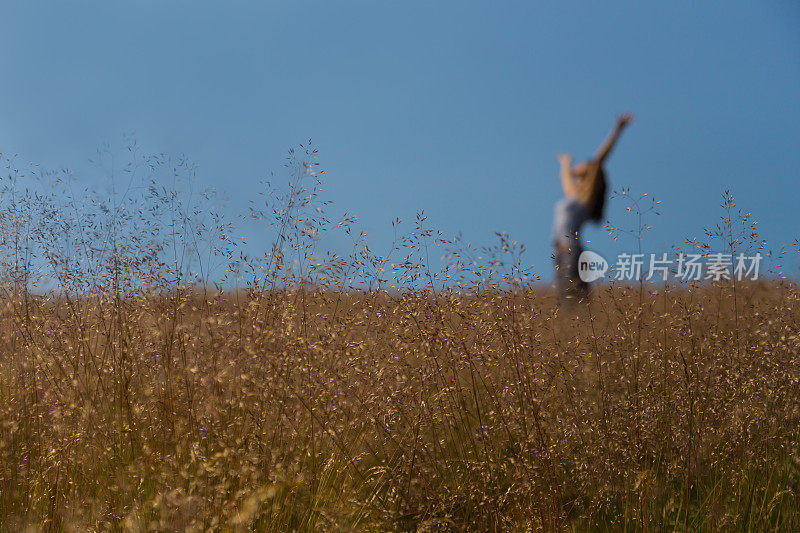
[(324, 410), (371, 393)]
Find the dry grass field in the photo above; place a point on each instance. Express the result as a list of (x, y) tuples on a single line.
[(313, 410), (370, 393)]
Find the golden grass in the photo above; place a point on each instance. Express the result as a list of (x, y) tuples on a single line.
[(363, 392), (325, 410)]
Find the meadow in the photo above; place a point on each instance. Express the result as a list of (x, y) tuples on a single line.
[(307, 390)]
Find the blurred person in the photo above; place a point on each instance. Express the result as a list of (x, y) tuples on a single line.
[(584, 199)]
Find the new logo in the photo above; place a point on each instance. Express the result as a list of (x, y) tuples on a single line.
[(591, 266)]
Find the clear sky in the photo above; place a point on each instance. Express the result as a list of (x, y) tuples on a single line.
[(457, 108)]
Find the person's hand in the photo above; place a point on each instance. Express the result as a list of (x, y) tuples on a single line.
[(565, 159), (625, 119)]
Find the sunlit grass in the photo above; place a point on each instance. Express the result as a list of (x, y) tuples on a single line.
[(368, 392)]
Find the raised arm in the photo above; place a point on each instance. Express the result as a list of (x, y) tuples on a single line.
[(567, 183), (611, 140)]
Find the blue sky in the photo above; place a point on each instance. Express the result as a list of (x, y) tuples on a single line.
[(457, 108)]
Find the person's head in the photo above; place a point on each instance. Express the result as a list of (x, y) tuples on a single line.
[(593, 187), (581, 169)]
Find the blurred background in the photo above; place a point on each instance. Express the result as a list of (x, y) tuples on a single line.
[(457, 108)]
